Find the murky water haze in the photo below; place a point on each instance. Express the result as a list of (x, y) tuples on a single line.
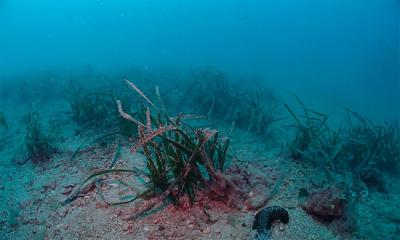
[(332, 52)]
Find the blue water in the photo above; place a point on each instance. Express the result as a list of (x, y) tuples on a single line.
[(330, 53), (346, 51)]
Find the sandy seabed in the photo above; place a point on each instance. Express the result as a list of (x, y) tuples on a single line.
[(32, 194)]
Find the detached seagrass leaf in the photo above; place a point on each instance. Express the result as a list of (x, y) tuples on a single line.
[(145, 139), (93, 141), (148, 120), (133, 198), (74, 195), (138, 91), (302, 105), (293, 115), (126, 115)]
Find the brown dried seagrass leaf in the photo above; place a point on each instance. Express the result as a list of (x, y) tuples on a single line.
[(147, 138)]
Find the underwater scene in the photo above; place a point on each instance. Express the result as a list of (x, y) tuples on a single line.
[(200, 119)]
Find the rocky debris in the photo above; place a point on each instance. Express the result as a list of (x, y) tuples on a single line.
[(326, 206)]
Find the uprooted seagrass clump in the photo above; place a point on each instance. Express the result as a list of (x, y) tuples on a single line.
[(180, 160)]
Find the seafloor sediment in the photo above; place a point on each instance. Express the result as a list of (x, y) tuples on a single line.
[(32, 194)]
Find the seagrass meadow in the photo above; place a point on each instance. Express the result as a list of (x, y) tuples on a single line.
[(199, 119)]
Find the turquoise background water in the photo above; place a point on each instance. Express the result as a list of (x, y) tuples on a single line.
[(337, 52)]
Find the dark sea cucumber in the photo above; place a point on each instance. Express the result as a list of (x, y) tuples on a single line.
[(266, 217)]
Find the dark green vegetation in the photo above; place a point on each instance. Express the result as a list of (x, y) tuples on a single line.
[(88, 108), (370, 151), (308, 129), (256, 112), (184, 158), (37, 142), (180, 160), (359, 151), (213, 95), (355, 157), (95, 109)]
